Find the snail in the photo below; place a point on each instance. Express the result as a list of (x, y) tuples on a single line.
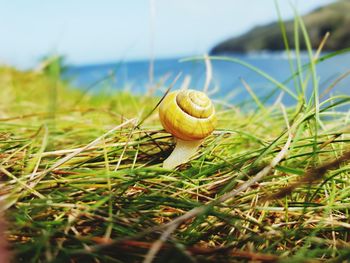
[(189, 115)]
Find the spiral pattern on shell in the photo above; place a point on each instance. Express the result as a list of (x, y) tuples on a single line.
[(187, 114)]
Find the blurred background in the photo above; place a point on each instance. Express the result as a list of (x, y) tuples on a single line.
[(138, 45)]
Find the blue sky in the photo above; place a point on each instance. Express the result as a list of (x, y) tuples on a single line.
[(91, 31)]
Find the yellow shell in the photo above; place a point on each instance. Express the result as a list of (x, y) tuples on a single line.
[(187, 114)]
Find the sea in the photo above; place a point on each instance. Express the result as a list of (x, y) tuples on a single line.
[(232, 82)]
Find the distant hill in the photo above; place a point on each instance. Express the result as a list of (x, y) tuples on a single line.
[(333, 18)]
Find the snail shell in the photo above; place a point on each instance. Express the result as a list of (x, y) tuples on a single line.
[(188, 115)]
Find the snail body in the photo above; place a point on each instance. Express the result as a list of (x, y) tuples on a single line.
[(190, 117)]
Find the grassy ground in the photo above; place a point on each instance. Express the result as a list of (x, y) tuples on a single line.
[(81, 181)]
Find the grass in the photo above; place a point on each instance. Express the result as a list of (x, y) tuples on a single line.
[(80, 180)]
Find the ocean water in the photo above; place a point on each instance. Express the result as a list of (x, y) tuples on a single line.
[(226, 81)]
